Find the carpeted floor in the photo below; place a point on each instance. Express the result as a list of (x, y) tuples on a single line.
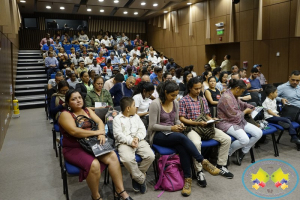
[(29, 169)]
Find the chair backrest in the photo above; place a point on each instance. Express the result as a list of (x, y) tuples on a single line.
[(101, 112)]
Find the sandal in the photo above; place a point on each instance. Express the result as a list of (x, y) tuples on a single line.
[(100, 198), (119, 196)]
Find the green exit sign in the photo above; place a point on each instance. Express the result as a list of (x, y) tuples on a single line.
[(220, 31)]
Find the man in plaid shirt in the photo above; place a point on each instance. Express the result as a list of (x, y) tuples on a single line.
[(189, 111)]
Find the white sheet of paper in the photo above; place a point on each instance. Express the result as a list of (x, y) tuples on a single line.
[(256, 111), (100, 104)]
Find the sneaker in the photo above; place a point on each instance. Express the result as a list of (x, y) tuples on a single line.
[(187, 188), (284, 125), (201, 179), (143, 187), (136, 186), (224, 172), (210, 167)]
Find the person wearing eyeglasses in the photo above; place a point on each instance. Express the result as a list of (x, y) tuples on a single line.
[(120, 90), (57, 103), (98, 95)]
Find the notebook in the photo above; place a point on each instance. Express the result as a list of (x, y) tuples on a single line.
[(100, 150)]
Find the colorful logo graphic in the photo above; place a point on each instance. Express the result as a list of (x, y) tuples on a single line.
[(284, 178)]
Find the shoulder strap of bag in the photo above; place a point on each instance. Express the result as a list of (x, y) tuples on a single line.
[(164, 161), (202, 113)]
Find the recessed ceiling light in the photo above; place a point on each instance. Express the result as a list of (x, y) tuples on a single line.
[(155, 4), (89, 10), (165, 11), (22, 1), (48, 7), (62, 8), (101, 0), (116, 1), (125, 12), (189, 3), (101, 10), (135, 13), (143, 3)]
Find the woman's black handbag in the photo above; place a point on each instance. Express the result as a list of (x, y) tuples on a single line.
[(88, 142), (207, 132)]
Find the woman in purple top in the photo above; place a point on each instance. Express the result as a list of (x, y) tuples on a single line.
[(166, 129), (232, 111)]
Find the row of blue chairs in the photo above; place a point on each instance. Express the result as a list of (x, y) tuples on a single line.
[(68, 168)]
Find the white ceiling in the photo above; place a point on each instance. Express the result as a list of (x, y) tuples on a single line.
[(110, 8)]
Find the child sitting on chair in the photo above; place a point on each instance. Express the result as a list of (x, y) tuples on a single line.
[(272, 116), (130, 132)]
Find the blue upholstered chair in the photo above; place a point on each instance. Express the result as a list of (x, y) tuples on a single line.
[(55, 130), (271, 131), (69, 169)]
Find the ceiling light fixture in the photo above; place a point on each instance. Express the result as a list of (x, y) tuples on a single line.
[(155, 4), (101, 0), (48, 7), (143, 3), (22, 1), (101, 10), (62, 8), (135, 13), (189, 3), (89, 10), (125, 12), (165, 11), (116, 1)]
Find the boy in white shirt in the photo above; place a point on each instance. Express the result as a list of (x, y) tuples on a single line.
[(272, 116), (129, 133)]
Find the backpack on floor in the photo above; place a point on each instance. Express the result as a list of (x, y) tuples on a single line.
[(170, 174)]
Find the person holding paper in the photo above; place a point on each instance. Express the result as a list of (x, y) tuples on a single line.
[(130, 132), (232, 111), (98, 97), (272, 116), (190, 108)]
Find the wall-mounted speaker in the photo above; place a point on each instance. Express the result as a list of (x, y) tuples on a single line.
[(235, 1)]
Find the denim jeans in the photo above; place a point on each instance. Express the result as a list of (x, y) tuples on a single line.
[(183, 145), (275, 120)]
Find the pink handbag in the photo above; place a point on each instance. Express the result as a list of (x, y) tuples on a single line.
[(170, 173)]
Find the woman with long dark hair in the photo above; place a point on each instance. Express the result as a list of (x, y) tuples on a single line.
[(90, 166), (165, 129), (222, 84), (204, 79), (186, 77)]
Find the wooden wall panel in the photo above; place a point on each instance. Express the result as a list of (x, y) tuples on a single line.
[(185, 56), (246, 5), (183, 16), (294, 54), (184, 34), (266, 23), (261, 56), (279, 20), (246, 54), (277, 1), (193, 38), (246, 25), (293, 12), (200, 32), (6, 77), (278, 70), (211, 8), (179, 55), (199, 11), (193, 56), (220, 7), (266, 2), (201, 59)]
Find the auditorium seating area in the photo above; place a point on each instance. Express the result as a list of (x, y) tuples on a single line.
[(212, 85)]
